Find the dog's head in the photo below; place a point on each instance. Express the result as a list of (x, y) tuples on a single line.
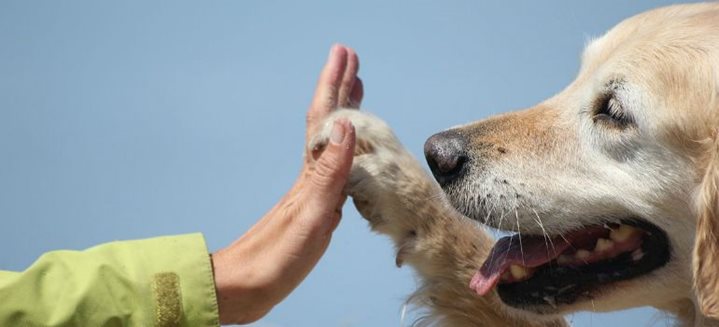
[(602, 180)]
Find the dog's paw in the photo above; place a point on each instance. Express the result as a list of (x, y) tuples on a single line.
[(377, 151), (372, 133), (386, 180)]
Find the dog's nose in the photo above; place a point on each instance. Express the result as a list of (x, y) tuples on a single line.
[(446, 156)]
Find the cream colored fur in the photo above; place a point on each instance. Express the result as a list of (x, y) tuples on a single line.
[(706, 249), (553, 168)]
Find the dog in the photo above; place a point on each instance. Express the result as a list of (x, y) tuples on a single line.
[(611, 188)]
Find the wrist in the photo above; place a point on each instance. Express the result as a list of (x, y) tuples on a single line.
[(239, 301)]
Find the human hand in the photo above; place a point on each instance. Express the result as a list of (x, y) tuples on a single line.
[(265, 264)]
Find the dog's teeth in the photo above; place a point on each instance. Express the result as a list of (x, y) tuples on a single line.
[(519, 272), (622, 233), (582, 254), (637, 255), (603, 244), (564, 259)]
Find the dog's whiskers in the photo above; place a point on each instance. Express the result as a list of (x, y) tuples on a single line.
[(544, 232), (489, 212), (510, 247), (501, 219), (519, 231)]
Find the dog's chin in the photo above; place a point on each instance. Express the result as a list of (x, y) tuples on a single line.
[(557, 273)]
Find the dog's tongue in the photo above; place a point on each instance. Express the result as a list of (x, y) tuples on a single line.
[(532, 252)]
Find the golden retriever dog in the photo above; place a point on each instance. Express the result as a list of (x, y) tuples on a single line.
[(609, 188)]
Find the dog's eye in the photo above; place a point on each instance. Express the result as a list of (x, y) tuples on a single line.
[(609, 111)]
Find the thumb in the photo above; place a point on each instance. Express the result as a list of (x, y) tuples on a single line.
[(333, 166)]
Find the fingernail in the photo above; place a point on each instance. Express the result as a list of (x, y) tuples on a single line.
[(338, 132)]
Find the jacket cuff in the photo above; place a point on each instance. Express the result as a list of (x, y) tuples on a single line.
[(176, 273), (183, 282)]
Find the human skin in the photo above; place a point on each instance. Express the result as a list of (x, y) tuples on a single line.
[(264, 265)]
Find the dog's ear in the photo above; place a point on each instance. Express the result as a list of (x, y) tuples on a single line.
[(706, 245)]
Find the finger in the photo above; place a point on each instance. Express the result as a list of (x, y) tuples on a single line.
[(326, 92), (348, 78), (356, 94), (332, 168)]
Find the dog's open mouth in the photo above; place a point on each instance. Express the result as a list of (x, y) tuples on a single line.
[(545, 272)]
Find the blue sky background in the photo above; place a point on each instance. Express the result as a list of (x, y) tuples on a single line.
[(132, 119)]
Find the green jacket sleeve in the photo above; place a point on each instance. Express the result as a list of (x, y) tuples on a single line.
[(163, 282)]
